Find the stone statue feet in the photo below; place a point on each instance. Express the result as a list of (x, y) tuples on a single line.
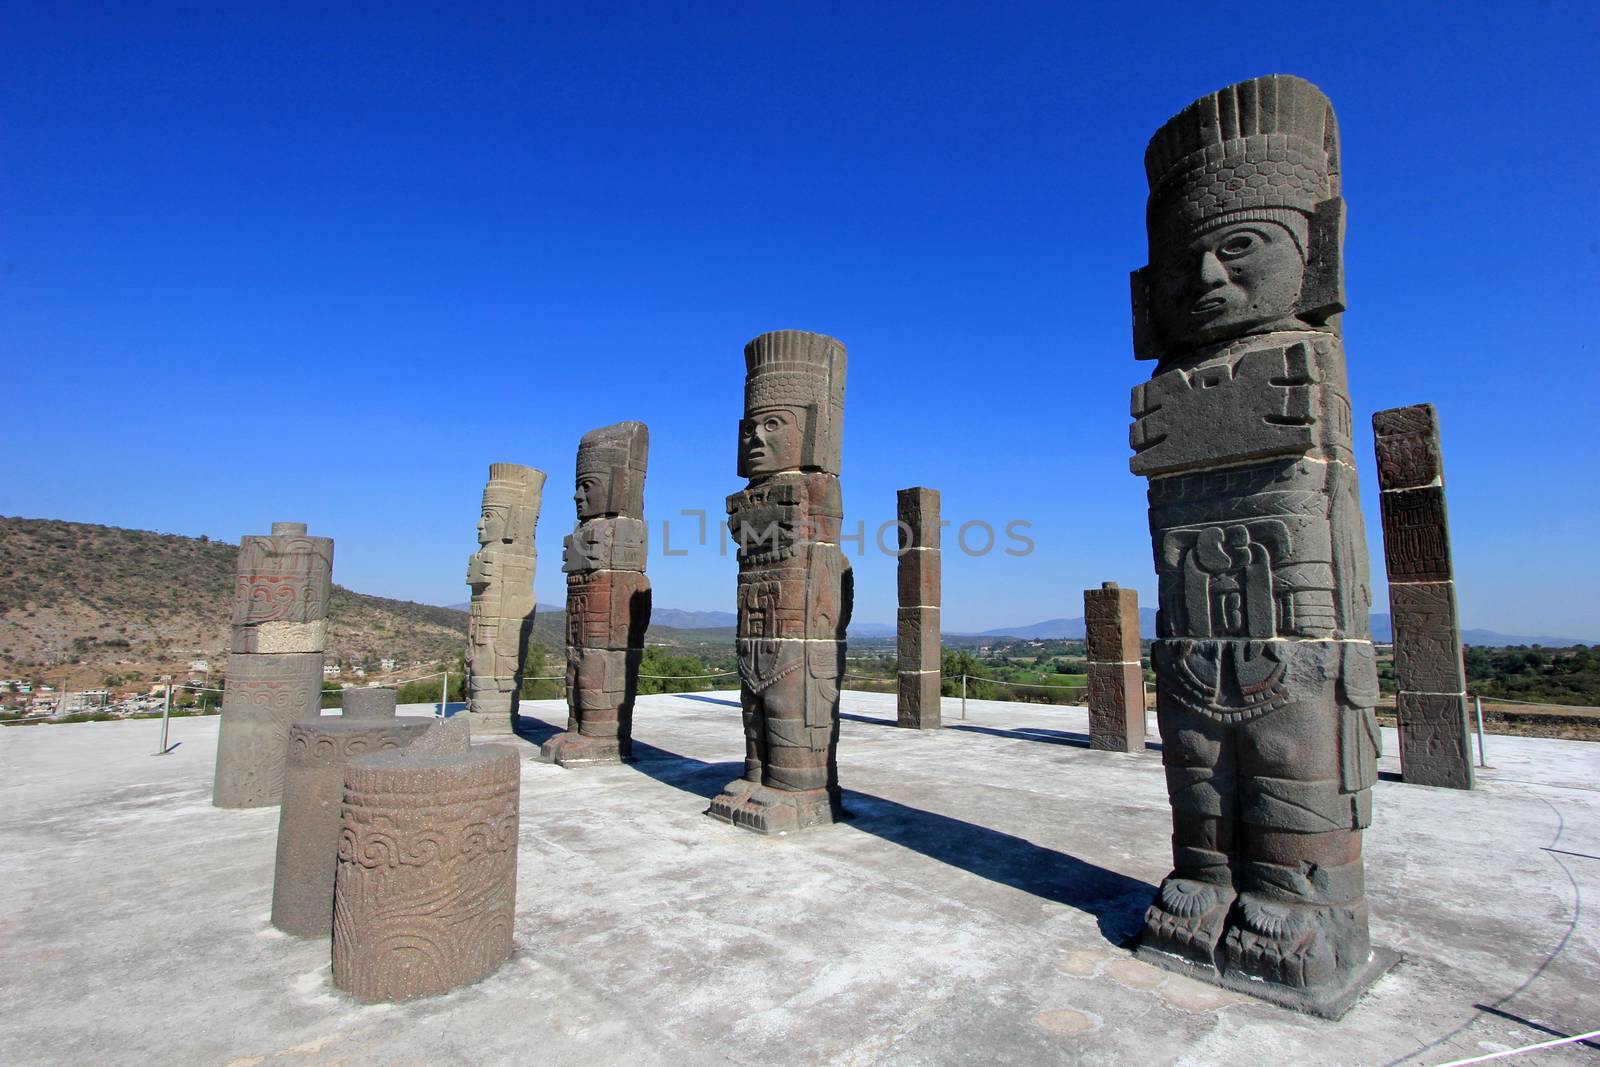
[(1187, 919), (773, 811), (1293, 945), (729, 801), (575, 749)]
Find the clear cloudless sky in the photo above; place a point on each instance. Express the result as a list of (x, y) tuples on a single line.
[(327, 262)]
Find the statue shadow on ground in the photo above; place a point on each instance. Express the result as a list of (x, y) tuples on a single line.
[(1116, 901), (703, 699), (535, 731), (1026, 733)]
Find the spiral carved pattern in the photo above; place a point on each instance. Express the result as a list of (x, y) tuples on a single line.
[(425, 895), (308, 825)]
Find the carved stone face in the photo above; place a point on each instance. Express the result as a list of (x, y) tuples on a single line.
[(495, 524), (772, 440), (590, 496), (1227, 282)]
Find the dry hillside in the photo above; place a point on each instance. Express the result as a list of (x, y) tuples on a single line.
[(97, 602)]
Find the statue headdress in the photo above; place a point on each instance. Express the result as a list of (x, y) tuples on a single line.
[(518, 488), (1265, 149), (618, 455), (803, 372)]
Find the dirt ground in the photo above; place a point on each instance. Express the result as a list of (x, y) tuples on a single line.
[(1528, 720)]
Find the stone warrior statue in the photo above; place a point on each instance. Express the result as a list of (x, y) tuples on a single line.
[(608, 597), (1264, 667), (795, 585), (501, 576)]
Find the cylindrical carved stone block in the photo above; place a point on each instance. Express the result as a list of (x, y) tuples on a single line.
[(280, 604), (369, 703), (264, 695), (425, 894), (308, 821), (281, 591)]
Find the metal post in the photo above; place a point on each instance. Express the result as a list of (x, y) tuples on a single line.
[(963, 696), (1479, 702), (444, 689), (166, 713)]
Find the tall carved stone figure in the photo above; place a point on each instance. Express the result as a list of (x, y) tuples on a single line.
[(917, 625), (608, 597), (280, 607), (1431, 706), (1264, 669), (501, 575), (795, 587)]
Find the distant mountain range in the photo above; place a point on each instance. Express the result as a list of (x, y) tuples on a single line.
[(1065, 629)]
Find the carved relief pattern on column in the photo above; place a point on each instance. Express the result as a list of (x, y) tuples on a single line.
[(274, 677), (425, 894)]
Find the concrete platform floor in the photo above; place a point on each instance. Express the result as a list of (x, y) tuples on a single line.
[(970, 912)]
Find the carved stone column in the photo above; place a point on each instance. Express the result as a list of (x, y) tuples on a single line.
[(274, 678), (1116, 676), (308, 821), (370, 703), (917, 624), (795, 585), (1265, 675), (1431, 707), (501, 575), (608, 598), (426, 890)]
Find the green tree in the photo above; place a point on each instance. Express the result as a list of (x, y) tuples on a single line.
[(673, 674)]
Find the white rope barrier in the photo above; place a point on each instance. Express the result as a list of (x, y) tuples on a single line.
[(405, 681), (1029, 685), (1534, 703)]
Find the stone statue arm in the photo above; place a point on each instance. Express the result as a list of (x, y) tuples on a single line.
[(1360, 741), (479, 568)]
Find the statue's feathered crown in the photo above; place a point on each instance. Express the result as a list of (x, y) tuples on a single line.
[(805, 372), (618, 453), (1264, 149), (519, 488)]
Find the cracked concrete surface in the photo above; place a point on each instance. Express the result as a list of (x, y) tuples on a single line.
[(971, 910)]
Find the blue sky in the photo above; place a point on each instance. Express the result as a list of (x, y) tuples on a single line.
[(265, 262)]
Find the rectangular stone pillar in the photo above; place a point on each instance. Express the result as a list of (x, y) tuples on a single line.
[(1431, 706), (917, 624), (1116, 677)]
